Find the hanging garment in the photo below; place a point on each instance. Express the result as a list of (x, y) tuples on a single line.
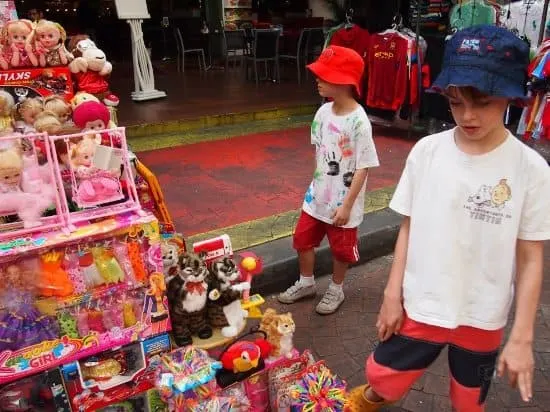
[(525, 18), (388, 70), (472, 13), (331, 32), (354, 38)]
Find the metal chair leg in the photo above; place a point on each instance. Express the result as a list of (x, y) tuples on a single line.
[(203, 60), (256, 73), (299, 69)]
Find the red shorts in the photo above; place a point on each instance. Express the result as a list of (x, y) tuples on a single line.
[(396, 364), (310, 232)]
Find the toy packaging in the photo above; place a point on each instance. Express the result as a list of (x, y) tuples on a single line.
[(116, 375)]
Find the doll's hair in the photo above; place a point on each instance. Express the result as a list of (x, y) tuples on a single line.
[(84, 143), (47, 122), (4, 34), (90, 112), (82, 97), (43, 25), (57, 105), (11, 157), (31, 103), (7, 103)]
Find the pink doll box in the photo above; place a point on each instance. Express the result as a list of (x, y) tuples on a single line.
[(95, 170), (148, 310), (28, 186)]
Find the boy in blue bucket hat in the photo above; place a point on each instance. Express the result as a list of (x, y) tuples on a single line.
[(476, 203)]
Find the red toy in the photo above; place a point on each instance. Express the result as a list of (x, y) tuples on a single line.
[(244, 356)]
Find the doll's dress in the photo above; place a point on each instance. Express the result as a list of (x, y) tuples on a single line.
[(96, 187), (53, 57), (22, 325), (24, 59)]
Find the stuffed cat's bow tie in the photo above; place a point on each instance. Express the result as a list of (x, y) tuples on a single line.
[(195, 287)]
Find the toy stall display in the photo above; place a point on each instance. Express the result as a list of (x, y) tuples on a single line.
[(44, 392), (114, 376)]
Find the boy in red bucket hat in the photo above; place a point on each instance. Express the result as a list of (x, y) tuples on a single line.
[(334, 202)]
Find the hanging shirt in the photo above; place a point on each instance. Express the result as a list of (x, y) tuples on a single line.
[(472, 13), (387, 69), (525, 19), (354, 38), (467, 213), (343, 144)]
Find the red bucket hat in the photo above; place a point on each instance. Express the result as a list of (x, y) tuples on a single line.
[(339, 65)]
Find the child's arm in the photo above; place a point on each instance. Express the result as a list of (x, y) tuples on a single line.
[(391, 312), (517, 356), (342, 214)]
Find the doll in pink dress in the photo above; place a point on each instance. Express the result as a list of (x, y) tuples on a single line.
[(16, 37), (95, 186)]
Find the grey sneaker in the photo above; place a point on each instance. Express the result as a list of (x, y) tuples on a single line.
[(297, 292), (331, 302)]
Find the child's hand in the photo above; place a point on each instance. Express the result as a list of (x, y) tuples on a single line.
[(341, 216), (517, 358), (390, 318)]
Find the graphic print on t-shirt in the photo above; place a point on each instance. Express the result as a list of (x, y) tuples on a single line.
[(489, 203), (343, 144)]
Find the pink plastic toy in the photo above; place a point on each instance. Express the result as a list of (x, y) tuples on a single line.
[(75, 273), (101, 192)]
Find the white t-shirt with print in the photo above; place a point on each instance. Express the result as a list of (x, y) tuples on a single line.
[(467, 213), (343, 144)]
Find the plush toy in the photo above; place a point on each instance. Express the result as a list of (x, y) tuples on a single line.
[(17, 39), (91, 116), (26, 113), (90, 69), (58, 106), (49, 38), (223, 312), (244, 356), (170, 256), (187, 295), (7, 103), (280, 330)]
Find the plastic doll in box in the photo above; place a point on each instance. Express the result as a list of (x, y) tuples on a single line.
[(16, 37), (50, 40), (95, 186), (21, 324), (7, 103)]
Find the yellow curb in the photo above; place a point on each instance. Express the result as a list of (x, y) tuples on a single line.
[(181, 126), (259, 231)]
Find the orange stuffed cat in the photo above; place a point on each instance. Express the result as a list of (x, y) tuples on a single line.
[(280, 329)]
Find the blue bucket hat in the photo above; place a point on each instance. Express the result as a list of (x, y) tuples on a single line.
[(491, 59)]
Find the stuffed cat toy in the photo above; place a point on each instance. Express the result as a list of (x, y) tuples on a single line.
[(280, 330), (223, 312), (187, 294)]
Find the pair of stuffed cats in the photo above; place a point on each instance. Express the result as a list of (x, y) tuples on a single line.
[(201, 298)]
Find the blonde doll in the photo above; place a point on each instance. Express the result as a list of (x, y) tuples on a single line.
[(58, 106), (48, 122), (11, 168), (16, 36), (26, 113), (7, 104), (50, 39)]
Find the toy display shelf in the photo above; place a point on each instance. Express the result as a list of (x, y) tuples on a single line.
[(85, 231)]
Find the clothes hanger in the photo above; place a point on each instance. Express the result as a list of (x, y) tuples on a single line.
[(349, 18)]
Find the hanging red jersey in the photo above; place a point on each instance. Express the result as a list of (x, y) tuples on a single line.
[(388, 71), (354, 38)]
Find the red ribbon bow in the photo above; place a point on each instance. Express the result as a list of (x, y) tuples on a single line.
[(195, 287)]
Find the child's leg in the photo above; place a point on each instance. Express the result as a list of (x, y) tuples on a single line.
[(308, 235), (397, 364), (472, 357), (343, 244)]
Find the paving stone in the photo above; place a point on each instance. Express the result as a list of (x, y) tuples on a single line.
[(346, 338)]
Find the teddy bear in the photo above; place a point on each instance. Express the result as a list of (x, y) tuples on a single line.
[(91, 69)]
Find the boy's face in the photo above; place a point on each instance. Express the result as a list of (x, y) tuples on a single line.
[(330, 90), (477, 115)]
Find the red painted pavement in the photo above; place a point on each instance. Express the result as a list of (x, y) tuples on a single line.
[(221, 183)]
